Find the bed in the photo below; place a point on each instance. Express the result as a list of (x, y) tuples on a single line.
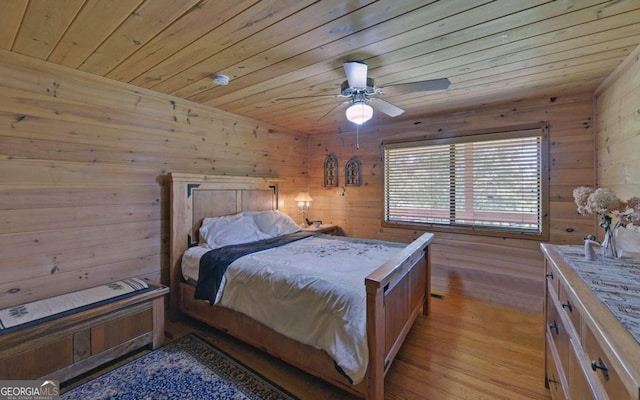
[(396, 292)]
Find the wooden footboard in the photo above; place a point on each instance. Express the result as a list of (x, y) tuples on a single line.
[(396, 292)]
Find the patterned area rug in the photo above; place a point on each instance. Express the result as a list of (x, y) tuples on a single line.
[(188, 368)]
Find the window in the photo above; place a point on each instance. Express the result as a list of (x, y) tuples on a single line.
[(490, 183)]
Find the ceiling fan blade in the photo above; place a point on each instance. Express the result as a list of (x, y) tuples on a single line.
[(420, 86), (386, 107), (308, 97), (333, 109), (356, 72)]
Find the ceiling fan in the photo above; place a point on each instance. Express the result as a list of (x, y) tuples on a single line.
[(363, 93)]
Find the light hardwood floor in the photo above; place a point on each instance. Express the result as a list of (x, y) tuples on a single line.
[(466, 349)]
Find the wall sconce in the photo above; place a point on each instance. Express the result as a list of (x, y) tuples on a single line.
[(304, 201)]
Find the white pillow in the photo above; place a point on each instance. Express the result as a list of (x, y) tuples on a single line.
[(229, 230), (219, 221), (274, 223)]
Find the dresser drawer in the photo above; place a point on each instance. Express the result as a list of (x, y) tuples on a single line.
[(609, 378), (581, 386), (557, 331), (568, 305), (555, 379), (551, 276)]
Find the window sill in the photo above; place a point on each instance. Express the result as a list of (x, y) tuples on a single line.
[(463, 230)]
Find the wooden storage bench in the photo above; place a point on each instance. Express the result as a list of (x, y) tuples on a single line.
[(64, 347)]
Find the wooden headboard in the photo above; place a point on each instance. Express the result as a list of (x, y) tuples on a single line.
[(194, 197)]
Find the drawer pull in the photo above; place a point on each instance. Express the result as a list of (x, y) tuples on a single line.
[(568, 305), (550, 275), (600, 365), (553, 326)]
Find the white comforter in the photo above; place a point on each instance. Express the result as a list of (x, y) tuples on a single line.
[(311, 290)]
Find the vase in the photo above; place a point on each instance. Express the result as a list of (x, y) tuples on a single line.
[(609, 243), (627, 242)]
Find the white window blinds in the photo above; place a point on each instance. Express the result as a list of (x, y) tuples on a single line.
[(491, 181)]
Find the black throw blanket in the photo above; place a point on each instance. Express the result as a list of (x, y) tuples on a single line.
[(214, 263)]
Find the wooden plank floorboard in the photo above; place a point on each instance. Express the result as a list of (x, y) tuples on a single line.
[(473, 352), (465, 349), (486, 368)]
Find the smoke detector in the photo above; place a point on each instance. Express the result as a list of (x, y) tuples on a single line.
[(220, 79)]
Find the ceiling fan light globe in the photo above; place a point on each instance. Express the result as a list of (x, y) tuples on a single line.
[(359, 113)]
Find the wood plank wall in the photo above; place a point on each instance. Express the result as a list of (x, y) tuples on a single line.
[(618, 129), (83, 162), (505, 271)]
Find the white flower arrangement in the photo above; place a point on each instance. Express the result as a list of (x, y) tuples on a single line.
[(605, 202)]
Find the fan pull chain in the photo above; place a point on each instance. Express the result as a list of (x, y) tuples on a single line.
[(357, 137)]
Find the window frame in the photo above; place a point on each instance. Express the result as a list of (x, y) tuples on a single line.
[(540, 129)]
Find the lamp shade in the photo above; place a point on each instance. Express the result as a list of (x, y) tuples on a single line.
[(302, 197), (359, 113)]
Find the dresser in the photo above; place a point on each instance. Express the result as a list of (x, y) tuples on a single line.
[(592, 331)]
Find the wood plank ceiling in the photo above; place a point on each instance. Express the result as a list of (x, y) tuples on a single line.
[(491, 51)]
